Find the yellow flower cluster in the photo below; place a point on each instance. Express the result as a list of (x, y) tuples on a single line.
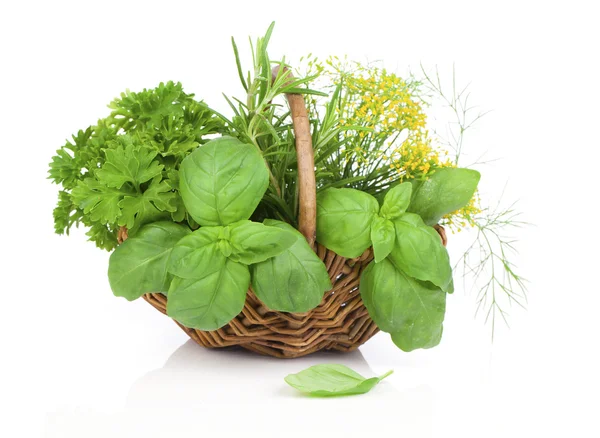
[(415, 158), (382, 118), (383, 102)]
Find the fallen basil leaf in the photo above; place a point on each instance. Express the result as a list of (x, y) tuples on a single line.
[(223, 181), (329, 380), (445, 191), (410, 309), (396, 201), (211, 300), (419, 251), (293, 281), (139, 265), (344, 218)]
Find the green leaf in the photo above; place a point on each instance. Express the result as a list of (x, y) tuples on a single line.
[(419, 251), (128, 163), (396, 201), (139, 265), (156, 203), (445, 191), (328, 380), (344, 218), (66, 213), (98, 201), (293, 281), (104, 236), (411, 310), (211, 300), (193, 254), (383, 237), (253, 242), (223, 181), (418, 334)]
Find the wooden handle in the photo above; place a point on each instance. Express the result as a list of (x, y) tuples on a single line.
[(307, 184)]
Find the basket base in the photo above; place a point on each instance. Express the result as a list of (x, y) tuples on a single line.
[(341, 322)]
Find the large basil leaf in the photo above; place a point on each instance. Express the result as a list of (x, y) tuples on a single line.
[(419, 251), (383, 237), (139, 265), (413, 311), (344, 218), (223, 181), (293, 281), (418, 334), (445, 191), (396, 201), (327, 380), (211, 300), (254, 242), (194, 253)]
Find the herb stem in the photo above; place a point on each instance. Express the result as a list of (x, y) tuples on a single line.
[(386, 374)]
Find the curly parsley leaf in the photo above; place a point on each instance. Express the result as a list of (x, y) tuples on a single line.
[(66, 213), (156, 203), (98, 200), (129, 163), (124, 169), (105, 237)]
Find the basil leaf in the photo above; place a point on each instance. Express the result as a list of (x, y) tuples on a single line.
[(293, 281), (383, 237), (195, 251), (412, 311), (139, 265), (418, 334), (344, 218), (396, 201), (211, 300), (445, 191), (329, 380), (254, 242), (419, 251), (223, 181)]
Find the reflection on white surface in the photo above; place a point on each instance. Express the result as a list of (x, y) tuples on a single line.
[(194, 374), (235, 391)]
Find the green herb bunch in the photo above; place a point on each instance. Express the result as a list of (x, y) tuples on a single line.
[(201, 219), (123, 171)]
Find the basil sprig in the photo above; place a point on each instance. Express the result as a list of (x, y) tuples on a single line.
[(404, 288)]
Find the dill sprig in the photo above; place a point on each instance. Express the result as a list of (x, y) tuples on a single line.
[(487, 261)]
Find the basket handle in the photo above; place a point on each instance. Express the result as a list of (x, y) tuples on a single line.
[(307, 185)]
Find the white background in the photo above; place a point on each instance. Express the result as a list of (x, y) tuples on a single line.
[(78, 362)]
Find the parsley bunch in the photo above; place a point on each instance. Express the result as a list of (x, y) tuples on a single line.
[(123, 171)]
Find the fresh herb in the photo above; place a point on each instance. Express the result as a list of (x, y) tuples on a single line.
[(203, 219), (139, 265), (223, 181), (410, 310), (293, 281), (123, 170), (331, 380), (445, 191), (344, 218)]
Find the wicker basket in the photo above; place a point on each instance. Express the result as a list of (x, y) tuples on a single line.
[(341, 322)]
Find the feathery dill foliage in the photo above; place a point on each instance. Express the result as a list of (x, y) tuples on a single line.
[(487, 260), (123, 171)]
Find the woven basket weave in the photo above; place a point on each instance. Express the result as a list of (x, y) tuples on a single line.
[(341, 322)]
